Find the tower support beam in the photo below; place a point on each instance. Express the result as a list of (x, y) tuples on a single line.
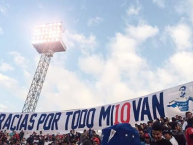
[(37, 82)]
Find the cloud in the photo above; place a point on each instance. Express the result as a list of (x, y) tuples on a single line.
[(184, 8), (91, 64), (80, 41), (8, 83), (18, 59), (133, 10), (181, 63), (181, 35), (142, 31), (94, 21), (3, 107), (62, 86), (1, 31), (160, 3), (5, 67)]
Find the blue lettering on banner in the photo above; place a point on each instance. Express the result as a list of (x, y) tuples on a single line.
[(87, 115), (136, 109), (55, 121), (76, 116), (105, 114), (145, 109), (112, 116), (41, 120), (13, 128), (24, 122), (67, 119), (156, 105), (7, 122), (18, 123), (32, 121), (159, 106), (48, 121), (2, 117), (83, 115), (150, 107), (92, 112)]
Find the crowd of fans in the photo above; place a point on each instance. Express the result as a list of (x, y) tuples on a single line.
[(165, 131), (72, 138), (162, 131)]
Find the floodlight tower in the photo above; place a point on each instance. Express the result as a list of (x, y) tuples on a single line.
[(47, 40)]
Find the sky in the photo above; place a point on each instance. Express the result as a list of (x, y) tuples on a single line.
[(116, 50)]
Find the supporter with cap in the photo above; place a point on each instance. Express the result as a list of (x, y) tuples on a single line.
[(147, 138), (168, 135), (96, 141), (157, 135)]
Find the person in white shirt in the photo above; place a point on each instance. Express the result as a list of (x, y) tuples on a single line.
[(23, 141), (36, 140), (188, 115), (168, 135)]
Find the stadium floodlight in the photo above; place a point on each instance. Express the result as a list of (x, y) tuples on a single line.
[(48, 36), (47, 39)]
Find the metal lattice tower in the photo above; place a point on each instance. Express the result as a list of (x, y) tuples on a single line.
[(47, 40), (37, 82)]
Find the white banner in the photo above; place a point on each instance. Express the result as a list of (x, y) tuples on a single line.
[(169, 102)]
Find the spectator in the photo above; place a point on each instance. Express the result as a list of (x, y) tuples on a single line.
[(41, 140), (90, 132), (149, 127), (23, 141), (170, 125), (30, 140), (96, 141), (188, 115), (87, 142), (178, 134), (147, 138), (71, 135), (168, 135), (21, 134), (189, 132), (141, 134), (174, 119), (162, 120), (157, 135), (66, 142)]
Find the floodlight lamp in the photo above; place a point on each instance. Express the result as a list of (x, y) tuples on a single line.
[(48, 36)]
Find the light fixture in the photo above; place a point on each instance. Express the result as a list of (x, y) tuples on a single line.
[(48, 36)]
